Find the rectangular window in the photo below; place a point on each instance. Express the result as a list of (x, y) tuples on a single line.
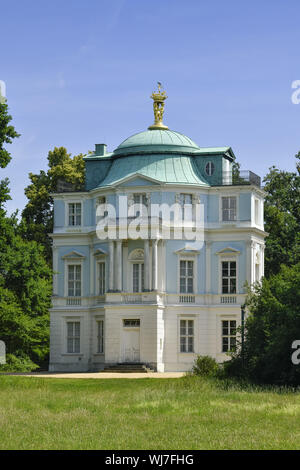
[(138, 277), (101, 278), (73, 337), (256, 211), (228, 277), (74, 280), (186, 277), (140, 202), (100, 337), (186, 202), (131, 323), (186, 336), (75, 213), (228, 208), (140, 199), (257, 277), (228, 335)]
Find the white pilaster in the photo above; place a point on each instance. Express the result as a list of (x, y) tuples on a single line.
[(154, 264), (92, 276), (111, 266), (55, 270), (146, 266), (208, 267), (119, 265)]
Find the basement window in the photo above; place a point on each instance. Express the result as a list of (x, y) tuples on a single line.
[(131, 323)]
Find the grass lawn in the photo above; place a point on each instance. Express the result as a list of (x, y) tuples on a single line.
[(186, 413)]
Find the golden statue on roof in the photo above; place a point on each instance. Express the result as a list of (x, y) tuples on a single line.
[(158, 107)]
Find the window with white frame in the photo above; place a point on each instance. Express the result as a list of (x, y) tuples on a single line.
[(186, 283), (140, 202), (186, 202), (101, 277), (138, 277), (73, 337), (256, 211), (101, 208), (228, 277), (229, 208), (74, 280), (100, 336), (132, 323), (209, 168), (186, 336), (257, 276), (74, 213), (228, 335)]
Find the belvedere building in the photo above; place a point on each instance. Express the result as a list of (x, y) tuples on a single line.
[(152, 257)]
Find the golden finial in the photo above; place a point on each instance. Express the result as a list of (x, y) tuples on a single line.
[(158, 106)]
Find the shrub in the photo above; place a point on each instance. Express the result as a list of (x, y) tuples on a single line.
[(18, 364), (205, 366)]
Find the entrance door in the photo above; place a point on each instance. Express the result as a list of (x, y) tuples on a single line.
[(131, 342)]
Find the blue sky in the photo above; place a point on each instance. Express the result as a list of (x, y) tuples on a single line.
[(79, 73)]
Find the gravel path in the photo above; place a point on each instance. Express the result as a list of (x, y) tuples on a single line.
[(104, 375)]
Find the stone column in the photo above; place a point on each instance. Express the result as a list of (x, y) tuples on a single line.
[(146, 266), (92, 271), (55, 270), (111, 267), (119, 265), (208, 267), (154, 264), (248, 261)]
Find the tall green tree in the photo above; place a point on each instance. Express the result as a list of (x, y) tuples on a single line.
[(282, 218), (271, 328), (25, 294), (7, 134), (25, 277), (37, 216)]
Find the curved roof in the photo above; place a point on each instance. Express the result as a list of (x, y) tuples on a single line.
[(156, 141), (172, 169)]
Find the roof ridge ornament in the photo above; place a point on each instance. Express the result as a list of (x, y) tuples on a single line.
[(159, 98)]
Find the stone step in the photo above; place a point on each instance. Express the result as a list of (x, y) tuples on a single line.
[(127, 367), (124, 371)]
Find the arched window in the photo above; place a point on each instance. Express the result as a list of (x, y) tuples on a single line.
[(137, 261)]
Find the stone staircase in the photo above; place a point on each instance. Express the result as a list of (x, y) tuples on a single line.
[(128, 368)]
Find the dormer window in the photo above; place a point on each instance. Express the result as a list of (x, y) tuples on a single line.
[(75, 213), (210, 168)]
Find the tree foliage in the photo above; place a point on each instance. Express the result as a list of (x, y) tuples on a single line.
[(282, 218), (7, 134), (272, 326), (25, 279), (37, 216), (25, 293)]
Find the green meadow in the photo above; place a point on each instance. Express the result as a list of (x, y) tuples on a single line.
[(186, 413)]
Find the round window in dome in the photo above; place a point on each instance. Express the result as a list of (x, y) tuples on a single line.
[(210, 168)]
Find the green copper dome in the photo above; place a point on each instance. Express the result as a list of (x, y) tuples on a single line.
[(156, 141)]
